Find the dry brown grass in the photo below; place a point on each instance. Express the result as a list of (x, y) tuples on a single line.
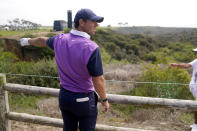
[(49, 107), (129, 72)]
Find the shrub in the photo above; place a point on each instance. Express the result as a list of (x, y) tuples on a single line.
[(67, 30), (106, 58), (180, 56), (6, 60), (39, 69), (28, 35), (161, 75), (9, 64), (37, 53), (151, 57), (50, 34)]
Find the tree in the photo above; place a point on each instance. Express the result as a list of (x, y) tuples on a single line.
[(17, 24), (126, 24), (120, 23)]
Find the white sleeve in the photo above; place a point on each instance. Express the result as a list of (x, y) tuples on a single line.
[(193, 63)]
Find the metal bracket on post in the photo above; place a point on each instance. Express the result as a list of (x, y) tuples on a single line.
[(4, 106)]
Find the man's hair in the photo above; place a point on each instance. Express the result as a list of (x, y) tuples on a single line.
[(76, 24)]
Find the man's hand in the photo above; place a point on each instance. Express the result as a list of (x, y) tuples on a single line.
[(24, 41), (106, 106)]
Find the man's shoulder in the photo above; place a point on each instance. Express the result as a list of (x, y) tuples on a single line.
[(62, 35), (90, 44)]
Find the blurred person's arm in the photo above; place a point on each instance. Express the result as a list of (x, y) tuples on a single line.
[(181, 65)]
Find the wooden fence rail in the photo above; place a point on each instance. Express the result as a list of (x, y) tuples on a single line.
[(116, 99), (5, 115), (58, 122)]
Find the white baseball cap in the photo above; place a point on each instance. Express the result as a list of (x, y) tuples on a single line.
[(194, 49)]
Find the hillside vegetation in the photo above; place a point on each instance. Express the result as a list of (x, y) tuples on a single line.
[(153, 30), (131, 48), (136, 48), (115, 48), (148, 54)]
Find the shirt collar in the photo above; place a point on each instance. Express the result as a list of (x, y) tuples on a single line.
[(80, 33)]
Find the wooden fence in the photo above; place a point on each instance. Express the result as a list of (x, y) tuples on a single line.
[(6, 115)]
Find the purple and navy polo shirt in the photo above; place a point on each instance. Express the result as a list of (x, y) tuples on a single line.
[(78, 59)]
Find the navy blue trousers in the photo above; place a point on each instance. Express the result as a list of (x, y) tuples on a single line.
[(78, 109)]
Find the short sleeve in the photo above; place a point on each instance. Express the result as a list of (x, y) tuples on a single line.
[(94, 65), (50, 42)]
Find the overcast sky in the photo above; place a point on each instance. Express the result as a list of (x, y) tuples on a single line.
[(165, 13)]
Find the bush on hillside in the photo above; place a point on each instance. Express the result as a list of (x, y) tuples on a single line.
[(106, 58), (28, 35), (180, 56), (50, 34), (157, 57), (160, 76), (39, 69), (6, 60), (131, 47), (151, 57), (11, 65), (67, 30)]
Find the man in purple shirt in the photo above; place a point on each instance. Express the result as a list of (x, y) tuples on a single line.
[(80, 70)]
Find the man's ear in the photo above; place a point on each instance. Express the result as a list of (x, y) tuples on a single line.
[(81, 22)]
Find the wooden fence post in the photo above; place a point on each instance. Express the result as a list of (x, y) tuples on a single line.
[(4, 106)]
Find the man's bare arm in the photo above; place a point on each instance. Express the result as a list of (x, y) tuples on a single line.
[(99, 84), (181, 65), (39, 42)]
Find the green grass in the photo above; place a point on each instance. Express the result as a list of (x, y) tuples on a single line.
[(187, 117), (123, 110), (23, 103)]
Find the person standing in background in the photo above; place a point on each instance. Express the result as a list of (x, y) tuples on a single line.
[(193, 83)]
